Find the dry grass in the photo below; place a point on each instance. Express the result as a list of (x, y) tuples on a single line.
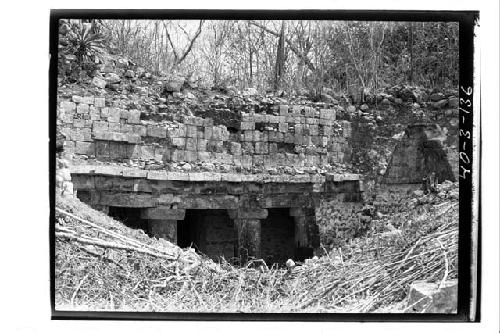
[(103, 265)]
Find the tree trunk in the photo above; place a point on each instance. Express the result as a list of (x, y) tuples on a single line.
[(280, 59), (411, 53)]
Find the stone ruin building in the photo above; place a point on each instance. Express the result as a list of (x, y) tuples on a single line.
[(230, 190), (233, 184)]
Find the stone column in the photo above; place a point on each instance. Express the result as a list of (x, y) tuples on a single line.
[(162, 221), (247, 226), (248, 237), (306, 230)]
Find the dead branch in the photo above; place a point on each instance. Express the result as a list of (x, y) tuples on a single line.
[(111, 245)]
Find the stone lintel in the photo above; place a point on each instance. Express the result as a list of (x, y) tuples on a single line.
[(166, 229), (127, 200), (301, 211), (163, 213), (255, 213)]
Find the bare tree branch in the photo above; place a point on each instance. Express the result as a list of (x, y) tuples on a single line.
[(303, 57)]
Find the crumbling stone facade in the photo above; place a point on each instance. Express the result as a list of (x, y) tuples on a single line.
[(249, 189), (418, 158)]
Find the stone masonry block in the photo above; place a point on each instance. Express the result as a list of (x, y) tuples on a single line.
[(283, 127), (247, 125), (100, 102), (88, 100), (283, 110), (68, 106), (134, 117), (82, 108), (76, 98), (85, 148), (179, 142), (201, 145), (207, 132), (157, 132), (261, 148), (191, 131), (235, 148), (191, 144), (114, 115), (247, 148)]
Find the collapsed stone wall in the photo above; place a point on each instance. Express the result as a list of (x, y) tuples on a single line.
[(291, 140)]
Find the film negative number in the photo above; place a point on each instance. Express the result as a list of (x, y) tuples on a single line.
[(465, 135)]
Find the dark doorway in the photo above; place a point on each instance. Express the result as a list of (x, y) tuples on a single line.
[(209, 231), (131, 217), (278, 236)]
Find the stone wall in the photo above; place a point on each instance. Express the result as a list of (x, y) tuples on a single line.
[(286, 139)]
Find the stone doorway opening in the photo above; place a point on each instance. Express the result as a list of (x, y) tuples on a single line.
[(209, 231), (131, 217), (278, 236)]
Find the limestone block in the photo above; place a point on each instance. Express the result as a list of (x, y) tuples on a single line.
[(248, 136), (191, 156), (68, 106), (105, 112), (78, 123), (77, 99), (261, 148), (134, 117), (273, 119), (114, 115), (327, 114), (134, 173), (208, 122), (283, 110), (100, 102), (207, 133), (157, 132), (82, 108), (254, 213), (178, 142), (137, 200), (191, 144), (201, 145), (231, 177), (235, 148), (191, 131), (272, 136), (114, 127), (177, 155), (273, 148), (133, 138), (203, 156), (247, 148), (283, 127), (88, 100), (258, 136), (258, 160), (309, 112), (296, 109), (85, 148), (247, 125), (224, 134), (289, 137), (181, 176), (425, 297), (246, 161), (163, 213), (140, 129)]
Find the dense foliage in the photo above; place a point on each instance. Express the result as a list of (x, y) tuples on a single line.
[(341, 55)]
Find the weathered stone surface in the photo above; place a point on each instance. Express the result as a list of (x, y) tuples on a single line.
[(166, 229), (163, 213), (427, 297), (249, 238)]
